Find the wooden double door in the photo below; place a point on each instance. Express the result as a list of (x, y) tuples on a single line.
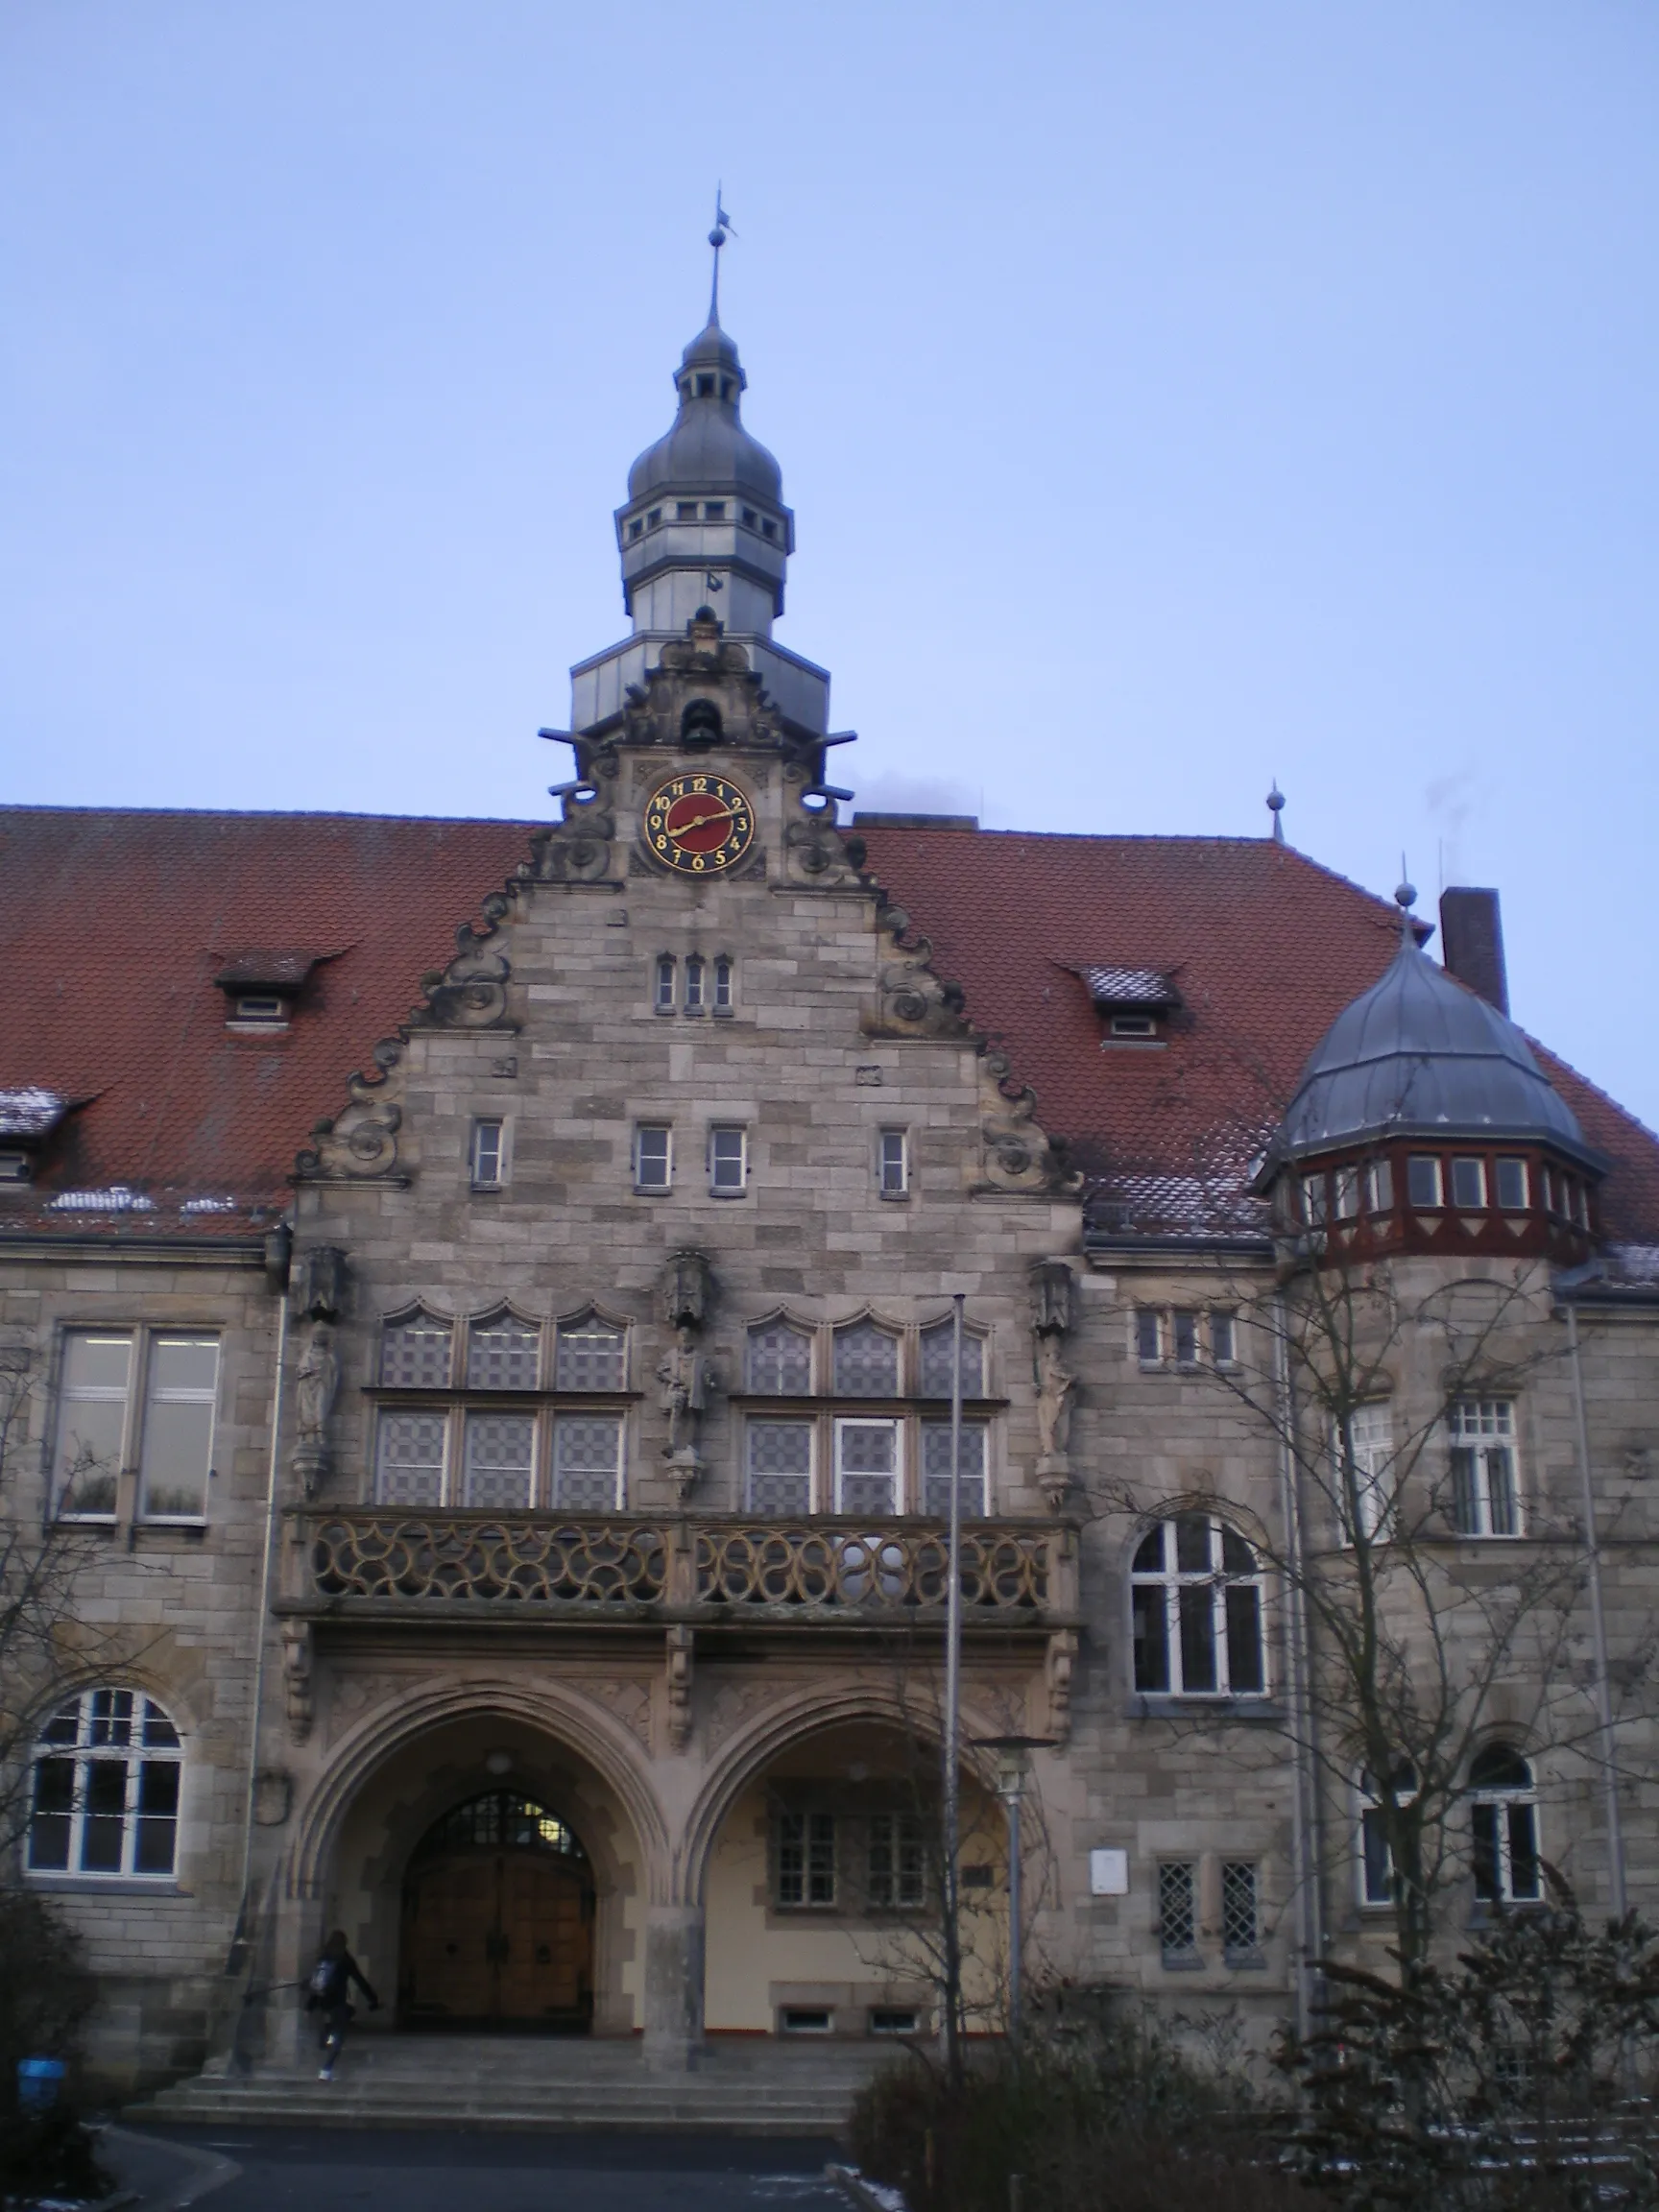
[(499, 1938)]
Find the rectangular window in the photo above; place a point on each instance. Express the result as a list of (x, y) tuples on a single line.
[(489, 1155), (1224, 1341), (896, 1865), (91, 1424), (1484, 1494), (695, 977), (1178, 1911), (1314, 1201), (178, 1446), (728, 1162), (866, 1467), (1347, 1186), (714, 511), (1513, 1192), (1149, 1336), (409, 1452), (1186, 1332), (653, 1156), (1371, 1434), (806, 1858), (1380, 1187), (264, 1007), (723, 980), (1423, 1179), (587, 1462), (1469, 1182), (1505, 1853), (780, 1467), (1241, 1916), (894, 1164), (500, 1462), (936, 1471), (664, 998)]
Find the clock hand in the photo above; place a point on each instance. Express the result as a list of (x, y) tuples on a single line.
[(702, 821)]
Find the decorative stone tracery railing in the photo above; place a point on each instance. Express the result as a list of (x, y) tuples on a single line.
[(1014, 1573)]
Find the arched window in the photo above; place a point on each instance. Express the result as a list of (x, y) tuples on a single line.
[(1377, 1882), (415, 1353), (1196, 1595), (866, 1361), (779, 1360), (1503, 1820), (592, 1355), (105, 1800), (503, 1353), (938, 1359)]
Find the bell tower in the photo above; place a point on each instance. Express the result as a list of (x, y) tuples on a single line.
[(704, 532)]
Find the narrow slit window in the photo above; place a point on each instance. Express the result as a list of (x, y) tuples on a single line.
[(696, 974), (723, 979), (895, 1163), (1178, 1911), (665, 999)]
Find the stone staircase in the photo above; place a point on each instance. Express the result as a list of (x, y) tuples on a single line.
[(745, 2086)]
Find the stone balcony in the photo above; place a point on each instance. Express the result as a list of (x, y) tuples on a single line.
[(383, 1564)]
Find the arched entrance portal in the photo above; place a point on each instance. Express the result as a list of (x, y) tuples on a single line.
[(498, 1922)]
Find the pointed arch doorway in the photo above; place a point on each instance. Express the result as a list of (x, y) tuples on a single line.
[(498, 1921)]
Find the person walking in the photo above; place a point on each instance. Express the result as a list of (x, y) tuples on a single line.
[(329, 1993)]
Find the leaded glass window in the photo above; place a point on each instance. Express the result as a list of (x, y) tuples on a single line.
[(779, 1360), (780, 1467), (587, 1461), (503, 1353), (938, 1359), (866, 1361), (500, 1460), (409, 1458), (415, 1353), (592, 1355), (936, 1470)]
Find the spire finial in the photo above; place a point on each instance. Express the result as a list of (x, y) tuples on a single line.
[(717, 238), (1405, 897), (1275, 808)]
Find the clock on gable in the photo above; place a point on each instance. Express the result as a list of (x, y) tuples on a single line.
[(698, 825)]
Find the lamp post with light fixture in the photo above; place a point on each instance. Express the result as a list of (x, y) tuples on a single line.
[(1013, 1772)]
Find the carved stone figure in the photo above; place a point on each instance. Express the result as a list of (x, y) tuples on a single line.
[(1054, 1389), (315, 1380), (1050, 1284), (686, 1380)]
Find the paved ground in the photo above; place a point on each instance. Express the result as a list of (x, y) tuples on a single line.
[(380, 2170)]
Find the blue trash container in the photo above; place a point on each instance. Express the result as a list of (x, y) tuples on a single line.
[(38, 2082)]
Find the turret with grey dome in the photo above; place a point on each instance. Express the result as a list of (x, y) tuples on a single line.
[(704, 527)]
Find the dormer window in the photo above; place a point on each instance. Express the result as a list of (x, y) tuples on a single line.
[(14, 1165), (1133, 1026), (262, 987), (1134, 1001), (29, 1117), (263, 1008)]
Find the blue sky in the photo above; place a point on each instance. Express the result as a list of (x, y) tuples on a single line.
[(1171, 395)]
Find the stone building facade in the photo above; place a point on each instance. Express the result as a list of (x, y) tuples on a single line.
[(513, 1475)]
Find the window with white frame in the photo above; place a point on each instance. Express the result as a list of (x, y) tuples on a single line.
[(587, 1462), (1196, 1600), (170, 1430), (866, 1361), (1469, 1182), (779, 1360), (896, 1866), (1364, 1468), (105, 1789), (1503, 1821), (1380, 1187), (1514, 1185), (1379, 1880), (1240, 1912), (696, 983), (1316, 1201), (893, 1164), (725, 978), (1422, 1183), (664, 995), (868, 1467), (803, 1859), (1184, 1335), (653, 1156), (936, 1470), (1345, 1184), (780, 1467), (728, 1162), (1485, 1497), (1178, 1911), (1224, 1339), (489, 1154), (503, 1353), (1149, 1336), (939, 1360)]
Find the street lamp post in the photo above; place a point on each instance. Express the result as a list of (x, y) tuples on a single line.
[(1013, 1770)]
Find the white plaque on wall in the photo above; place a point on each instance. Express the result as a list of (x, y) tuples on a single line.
[(1108, 1873)]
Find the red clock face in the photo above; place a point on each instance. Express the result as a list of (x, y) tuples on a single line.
[(698, 824)]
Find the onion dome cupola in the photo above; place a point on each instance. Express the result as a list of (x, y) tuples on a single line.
[(704, 531), (1423, 1104)]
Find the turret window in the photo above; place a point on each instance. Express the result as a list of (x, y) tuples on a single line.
[(1514, 1193), (713, 510), (705, 387), (1469, 1183), (635, 528), (1380, 1187), (768, 528), (653, 518), (748, 518), (1423, 1180), (685, 511)]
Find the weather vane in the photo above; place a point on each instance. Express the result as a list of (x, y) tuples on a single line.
[(717, 238)]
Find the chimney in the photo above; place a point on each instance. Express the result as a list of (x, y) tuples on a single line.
[(1472, 943)]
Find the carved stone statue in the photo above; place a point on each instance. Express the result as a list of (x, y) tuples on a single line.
[(315, 1380), (1054, 1389), (1050, 1321), (685, 1374)]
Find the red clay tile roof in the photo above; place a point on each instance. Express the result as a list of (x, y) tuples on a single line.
[(114, 923)]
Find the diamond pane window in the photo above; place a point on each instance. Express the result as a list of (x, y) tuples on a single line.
[(500, 1460), (780, 1467), (503, 1353), (591, 1356), (866, 1361), (587, 1461), (1240, 1916), (937, 1359), (409, 1458), (779, 1360), (415, 1354), (936, 1470), (1178, 1910)]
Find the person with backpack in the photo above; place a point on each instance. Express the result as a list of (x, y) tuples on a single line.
[(329, 1993)]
